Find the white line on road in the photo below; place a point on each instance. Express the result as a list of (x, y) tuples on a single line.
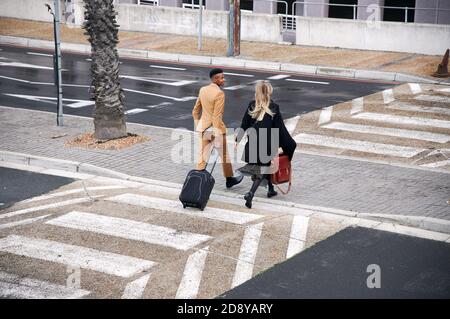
[(14, 79), (247, 254), (80, 103), (411, 134), (187, 98), (175, 207), (135, 111), (446, 90), (236, 87), (279, 77), (135, 289), (23, 222), (437, 164), (297, 238), (25, 65), (415, 88), (192, 275), (239, 74), (75, 256), (357, 105), (70, 192), (433, 98), (167, 67), (306, 81), (49, 206), (159, 105), (325, 115), (40, 54), (129, 229), (291, 124), (388, 96), (13, 286), (356, 145), (418, 108), (170, 82), (405, 120)]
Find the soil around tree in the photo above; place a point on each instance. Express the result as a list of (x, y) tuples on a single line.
[(88, 141)]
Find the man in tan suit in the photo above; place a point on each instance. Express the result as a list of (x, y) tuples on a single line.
[(208, 113)]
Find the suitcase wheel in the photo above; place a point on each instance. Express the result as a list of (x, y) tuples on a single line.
[(184, 205)]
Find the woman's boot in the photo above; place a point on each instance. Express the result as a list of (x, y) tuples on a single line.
[(249, 196), (271, 192)]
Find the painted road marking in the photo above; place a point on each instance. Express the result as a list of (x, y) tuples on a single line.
[(418, 108), (70, 192), (40, 54), (171, 82), (305, 81), (433, 98), (135, 289), (236, 87), (357, 105), (159, 106), (405, 120), (26, 65), (75, 256), (52, 100), (437, 164), (80, 103), (161, 204), (415, 88), (23, 222), (13, 286), (297, 238), (239, 74), (49, 206), (291, 124), (167, 67), (129, 229), (135, 111), (388, 96), (183, 99), (14, 79), (279, 77), (325, 115), (447, 90), (192, 275), (411, 134), (247, 254), (356, 145)]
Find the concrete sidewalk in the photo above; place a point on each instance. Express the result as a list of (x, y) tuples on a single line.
[(390, 63), (346, 187)]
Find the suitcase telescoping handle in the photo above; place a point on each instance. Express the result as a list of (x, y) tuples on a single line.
[(212, 160)]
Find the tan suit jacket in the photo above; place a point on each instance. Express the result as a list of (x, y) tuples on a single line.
[(208, 110)]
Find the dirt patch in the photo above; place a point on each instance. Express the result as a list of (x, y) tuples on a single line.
[(88, 141)]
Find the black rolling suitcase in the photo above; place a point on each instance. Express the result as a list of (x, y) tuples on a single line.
[(198, 185)]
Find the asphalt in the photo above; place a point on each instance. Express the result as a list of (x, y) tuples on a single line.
[(18, 185), (337, 267), (294, 97)]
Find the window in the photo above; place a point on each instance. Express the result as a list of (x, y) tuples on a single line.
[(342, 12), (399, 14)]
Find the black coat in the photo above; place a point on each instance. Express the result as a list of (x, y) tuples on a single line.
[(263, 140)]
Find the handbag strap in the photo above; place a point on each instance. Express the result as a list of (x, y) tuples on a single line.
[(290, 184)]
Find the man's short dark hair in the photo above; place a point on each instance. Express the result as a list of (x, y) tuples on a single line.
[(214, 72)]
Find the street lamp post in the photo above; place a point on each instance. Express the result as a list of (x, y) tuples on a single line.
[(200, 21), (57, 60), (234, 29)]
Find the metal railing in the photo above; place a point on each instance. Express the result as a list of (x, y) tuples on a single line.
[(288, 21), (355, 7)]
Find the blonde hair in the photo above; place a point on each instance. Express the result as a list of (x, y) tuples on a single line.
[(263, 93)]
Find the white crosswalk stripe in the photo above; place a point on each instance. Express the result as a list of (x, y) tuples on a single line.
[(437, 164), (357, 145), (418, 108), (357, 105), (415, 88), (192, 275), (433, 98), (70, 192), (129, 229), (161, 204), (135, 289), (404, 120), (76, 256), (368, 129), (14, 286), (325, 115), (388, 96), (247, 254), (297, 238), (23, 222)]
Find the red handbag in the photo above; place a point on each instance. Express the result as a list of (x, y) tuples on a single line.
[(284, 172)]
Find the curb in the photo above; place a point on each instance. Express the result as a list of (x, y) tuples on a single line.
[(421, 226), (231, 62)]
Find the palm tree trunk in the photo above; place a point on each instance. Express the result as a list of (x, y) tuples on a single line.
[(102, 31)]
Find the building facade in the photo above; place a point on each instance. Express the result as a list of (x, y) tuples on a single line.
[(419, 11)]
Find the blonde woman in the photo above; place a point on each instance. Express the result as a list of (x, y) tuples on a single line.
[(266, 133)]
